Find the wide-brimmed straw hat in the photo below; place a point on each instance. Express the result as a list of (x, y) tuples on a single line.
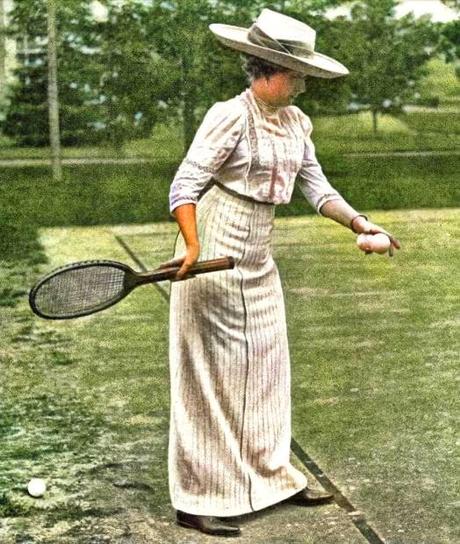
[(280, 40)]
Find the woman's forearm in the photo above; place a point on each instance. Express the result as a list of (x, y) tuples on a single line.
[(340, 211), (185, 216), (343, 213)]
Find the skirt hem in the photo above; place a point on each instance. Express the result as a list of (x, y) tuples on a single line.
[(219, 512)]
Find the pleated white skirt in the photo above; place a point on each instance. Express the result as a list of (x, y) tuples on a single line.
[(230, 427)]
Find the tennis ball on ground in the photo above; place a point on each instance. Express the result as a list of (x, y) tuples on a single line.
[(378, 243), (36, 487)]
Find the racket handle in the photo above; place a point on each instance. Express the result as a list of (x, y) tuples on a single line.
[(201, 267), (213, 265)]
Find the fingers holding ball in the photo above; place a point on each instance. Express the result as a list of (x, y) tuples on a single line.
[(374, 243)]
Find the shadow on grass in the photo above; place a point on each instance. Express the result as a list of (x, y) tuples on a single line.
[(18, 242)]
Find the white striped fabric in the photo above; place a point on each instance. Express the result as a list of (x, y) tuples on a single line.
[(230, 428)]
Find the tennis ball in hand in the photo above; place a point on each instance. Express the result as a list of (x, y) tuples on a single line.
[(378, 243), (36, 487)]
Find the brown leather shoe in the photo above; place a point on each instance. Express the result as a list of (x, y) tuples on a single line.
[(310, 497), (206, 524)]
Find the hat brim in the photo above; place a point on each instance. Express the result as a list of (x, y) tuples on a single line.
[(316, 65)]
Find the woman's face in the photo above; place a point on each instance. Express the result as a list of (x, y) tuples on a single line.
[(285, 86)]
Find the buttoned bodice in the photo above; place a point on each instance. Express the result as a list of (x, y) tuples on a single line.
[(255, 150)]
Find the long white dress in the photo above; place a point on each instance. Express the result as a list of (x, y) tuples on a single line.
[(230, 426)]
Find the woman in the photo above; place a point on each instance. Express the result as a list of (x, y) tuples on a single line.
[(230, 426)]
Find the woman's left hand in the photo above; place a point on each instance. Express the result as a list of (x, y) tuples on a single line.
[(363, 226)]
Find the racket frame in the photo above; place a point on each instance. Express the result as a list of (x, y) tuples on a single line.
[(78, 266), (132, 279)]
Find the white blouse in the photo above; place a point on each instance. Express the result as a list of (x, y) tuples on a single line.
[(255, 151)]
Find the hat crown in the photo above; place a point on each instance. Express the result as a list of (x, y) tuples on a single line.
[(286, 29)]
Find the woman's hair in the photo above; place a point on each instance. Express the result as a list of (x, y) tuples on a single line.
[(255, 67)]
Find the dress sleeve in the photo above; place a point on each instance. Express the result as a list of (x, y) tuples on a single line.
[(214, 141), (312, 181)]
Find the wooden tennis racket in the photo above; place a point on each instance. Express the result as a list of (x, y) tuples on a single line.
[(86, 287)]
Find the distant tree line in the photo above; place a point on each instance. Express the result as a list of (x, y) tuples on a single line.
[(149, 63)]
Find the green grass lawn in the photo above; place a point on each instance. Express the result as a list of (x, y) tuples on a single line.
[(166, 143), (412, 131), (375, 348), (373, 345), (440, 122)]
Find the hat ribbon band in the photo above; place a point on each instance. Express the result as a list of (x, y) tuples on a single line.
[(258, 37)]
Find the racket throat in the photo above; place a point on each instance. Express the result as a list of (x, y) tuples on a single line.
[(142, 278)]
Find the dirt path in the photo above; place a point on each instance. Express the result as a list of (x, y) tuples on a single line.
[(404, 154), (20, 163)]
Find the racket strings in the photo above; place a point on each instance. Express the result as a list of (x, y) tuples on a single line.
[(80, 290)]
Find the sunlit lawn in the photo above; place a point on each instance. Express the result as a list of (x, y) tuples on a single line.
[(445, 121), (165, 143), (354, 134)]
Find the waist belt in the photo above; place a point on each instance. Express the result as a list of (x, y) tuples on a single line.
[(238, 195)]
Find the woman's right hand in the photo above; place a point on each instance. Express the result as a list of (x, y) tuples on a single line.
[(363, 226), (185, 216), (185, 262)]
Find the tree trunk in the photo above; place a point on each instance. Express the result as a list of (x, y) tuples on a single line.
[(374, 120), (53, 100), (2, 49), (189, 102)]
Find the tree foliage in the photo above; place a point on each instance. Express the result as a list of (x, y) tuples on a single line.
[(27, 118), (386, 56), (145, 63), (450, 41), (207, 71), (135, 82), (151, 61)]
